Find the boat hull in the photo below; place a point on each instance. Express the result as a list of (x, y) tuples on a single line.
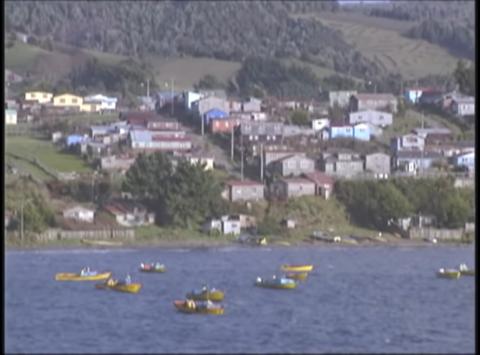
[(279, 286), (214, 296), (67, 276), (297, 268), (181, 306), (302, 276), (159, 270), (468, 273), (449, 274), (130, 288)]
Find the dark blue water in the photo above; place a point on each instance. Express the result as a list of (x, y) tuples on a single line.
[(379, 299)]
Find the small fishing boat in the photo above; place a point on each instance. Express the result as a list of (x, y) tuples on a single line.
[(297, 275), (206, 294), (276, 282), (84, 275), (448, 273), (152, 267), (120, 286), (191, 306), (465, 271), (297, 268)]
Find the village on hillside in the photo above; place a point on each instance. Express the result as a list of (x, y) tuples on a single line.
[(273, 148)]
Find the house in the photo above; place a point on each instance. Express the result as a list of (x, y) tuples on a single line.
[(42, 97), (431, 97), (374, 130), (68, 101), (361, 131), (56, 136), (224, 125), (340, 98), (189, 97), (463, 106), (434, 135), (130, 214), (10, 116), (249, 116), (291, 130), (163, 125), (289, 223), (205, 104), (74, 139), (116, 163), (413, 161), (138, 119), (466, 160), (379, 164), (273, 155), (292, 165), (261, 131), (342, 163), (374, 117), (11, 103), (414, 94), (91, 106), (244, 190), (79, 213), (320, 123), (362, 102), (407, 142), (225, 225), (293, 104), (323, 183), (156, 140), (166, 97), (252, 104), (146, 103), (338, 130), (194, 159), (97, 149), (214, 113), (107, 103), (292, 187)]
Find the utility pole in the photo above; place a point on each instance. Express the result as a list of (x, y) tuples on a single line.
[(241, 155), (232, 144), (21, 221), (173, 101), (261, 162), (148, 87), (203, 124)]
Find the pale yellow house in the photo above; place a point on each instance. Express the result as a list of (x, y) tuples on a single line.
[(41, 97), (68, 100)]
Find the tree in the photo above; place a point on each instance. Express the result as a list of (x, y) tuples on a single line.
[(300, 117), (465, 77)]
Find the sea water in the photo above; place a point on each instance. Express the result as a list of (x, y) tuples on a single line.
[(372, 299)]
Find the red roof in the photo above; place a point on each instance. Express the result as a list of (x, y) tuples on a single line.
[(319, 178), (243, 183)]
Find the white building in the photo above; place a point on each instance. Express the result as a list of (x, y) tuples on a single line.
[(10, 116), (80, 213), (463, 106), (106, 103), (377, 118), (320, 123)]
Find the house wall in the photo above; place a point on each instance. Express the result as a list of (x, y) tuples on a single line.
[(245, 193), (223, 125), (467, 160), (39, 96), (463, 109), (67, 100), (10, 117), (342, 98), (361, 131), (378, 163), (208, 103), (231, 227), (80, 215), (377, 118), (294, 166), (343, 131), (319, 124)]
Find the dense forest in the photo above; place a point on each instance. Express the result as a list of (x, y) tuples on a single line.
[(231, 30), (450, 24)]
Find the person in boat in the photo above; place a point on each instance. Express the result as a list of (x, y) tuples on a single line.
[(128, 279), (204, 288), (158, 266), (83, 272)]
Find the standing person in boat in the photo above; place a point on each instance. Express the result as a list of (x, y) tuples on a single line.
[(128, 279)]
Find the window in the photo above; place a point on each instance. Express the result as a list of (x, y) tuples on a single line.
[(62, 101), (33, 95), (74, 101), (44, 96)]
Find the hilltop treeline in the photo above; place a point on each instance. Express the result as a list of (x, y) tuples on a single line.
[(450, 24), (231, 30)]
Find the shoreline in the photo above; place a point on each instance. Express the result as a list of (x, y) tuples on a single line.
[(207, 244)]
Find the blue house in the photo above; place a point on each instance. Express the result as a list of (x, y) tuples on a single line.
[(75, 139), (361, 131), (214, 113), (341, 131)]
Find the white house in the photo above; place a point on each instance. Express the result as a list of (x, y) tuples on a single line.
[(320, 123), (191, 97), (465, 160), (463, 106), (225, 225), (79, 213), (377, 118), (10, 116), (106, 103)]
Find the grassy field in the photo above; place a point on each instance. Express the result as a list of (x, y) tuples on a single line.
[(187, 71), (384, 44), (46, 153)]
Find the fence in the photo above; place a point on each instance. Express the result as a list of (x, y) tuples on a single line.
[(103, 234), (439, 234)]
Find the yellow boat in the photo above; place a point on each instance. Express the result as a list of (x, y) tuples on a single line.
[(297, 268), (448, 273), (69, 276), (465, 271), (206, 294), (297, 275), (192, 307), (119, 286)]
